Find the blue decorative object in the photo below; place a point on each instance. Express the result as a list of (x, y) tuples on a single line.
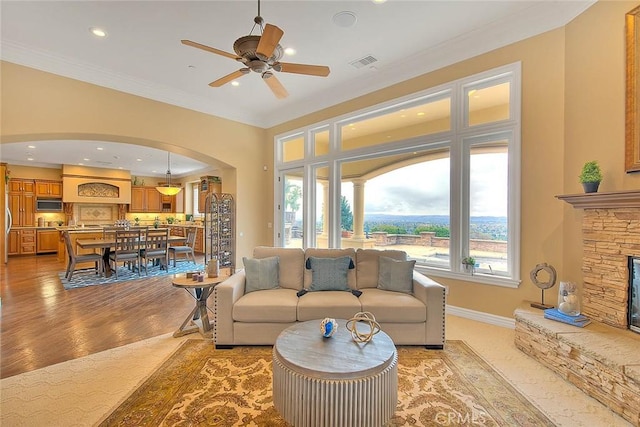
[(328, 327)]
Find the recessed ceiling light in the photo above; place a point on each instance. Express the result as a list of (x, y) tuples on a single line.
[(31, 146), (420, 113), (99, 148), (345, 19), (86, 160), (290, 51), (378, 1), (30, 159), (98, 32), (235, 83)]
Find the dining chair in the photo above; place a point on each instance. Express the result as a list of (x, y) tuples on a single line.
[(73, 259), (126, 248), (155, 248), (186, 249)]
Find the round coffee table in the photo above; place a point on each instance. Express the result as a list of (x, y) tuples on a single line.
[(334, 381)]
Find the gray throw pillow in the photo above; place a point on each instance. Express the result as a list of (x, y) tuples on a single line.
[(329, 274), (395, 275), (261, 273)]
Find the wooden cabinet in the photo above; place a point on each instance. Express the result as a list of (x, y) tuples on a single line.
[(146, 199), (208, 185), (49, 189), (47, 241), (22, 202), (198, 246), (167, 203), (13, 244), (22, 242), (177, 231)]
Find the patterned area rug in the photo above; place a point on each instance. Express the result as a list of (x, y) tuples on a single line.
[(200, 386), (81, 279)]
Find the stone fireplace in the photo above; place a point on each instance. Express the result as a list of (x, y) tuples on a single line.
[(602, 358), (610, 238)]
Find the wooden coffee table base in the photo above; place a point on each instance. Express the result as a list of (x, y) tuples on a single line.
[(331, 381)]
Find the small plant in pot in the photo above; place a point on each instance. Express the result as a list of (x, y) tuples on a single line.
[(591, 176), (469, 264)]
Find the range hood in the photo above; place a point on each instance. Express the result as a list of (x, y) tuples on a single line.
[(82, 184)]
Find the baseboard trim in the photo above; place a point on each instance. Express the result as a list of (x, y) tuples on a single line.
[(492, 319)]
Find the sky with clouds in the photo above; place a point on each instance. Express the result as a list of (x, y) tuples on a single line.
[(423, 189)]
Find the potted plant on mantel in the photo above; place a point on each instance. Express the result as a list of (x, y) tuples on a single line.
[(591, 176)]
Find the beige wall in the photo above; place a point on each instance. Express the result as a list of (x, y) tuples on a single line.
[(572, 111), (594, 112), (42, 106)]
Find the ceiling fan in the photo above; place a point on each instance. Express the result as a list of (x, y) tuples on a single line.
[(261, 54)]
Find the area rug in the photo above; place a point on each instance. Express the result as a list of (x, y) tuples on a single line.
[(81, 279), (201, 386)]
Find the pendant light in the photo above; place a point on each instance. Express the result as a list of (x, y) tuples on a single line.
[(167, 189)]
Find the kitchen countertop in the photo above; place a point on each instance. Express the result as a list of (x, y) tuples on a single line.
[(98, 228), (33, 227)]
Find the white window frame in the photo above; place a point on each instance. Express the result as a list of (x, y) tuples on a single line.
[(460, 136)]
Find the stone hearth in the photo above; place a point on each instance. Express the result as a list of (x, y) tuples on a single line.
[(603, 358)]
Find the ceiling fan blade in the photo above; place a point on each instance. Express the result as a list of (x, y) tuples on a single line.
[(269, 40), (274, 84), (209, 49), (311, 70), (229, 77)]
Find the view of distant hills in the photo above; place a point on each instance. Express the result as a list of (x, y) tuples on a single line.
[(482, 227)]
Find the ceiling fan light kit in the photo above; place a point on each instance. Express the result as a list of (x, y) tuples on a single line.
[(261, 54)]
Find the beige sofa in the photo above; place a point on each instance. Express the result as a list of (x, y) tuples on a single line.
[(258, 317)]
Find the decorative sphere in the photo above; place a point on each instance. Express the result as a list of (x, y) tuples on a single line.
[(363, 317), (328, 327)]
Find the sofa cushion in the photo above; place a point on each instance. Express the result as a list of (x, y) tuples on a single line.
[(367, 265), (291, 264), (329, 274), (335, 304), (272, 305), (394, 275), (329, 253), (261, 273), (393, 307)]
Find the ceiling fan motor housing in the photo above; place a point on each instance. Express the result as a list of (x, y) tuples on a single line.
[(245, 47)]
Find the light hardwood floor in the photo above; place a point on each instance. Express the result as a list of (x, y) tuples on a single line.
[(43, 324)]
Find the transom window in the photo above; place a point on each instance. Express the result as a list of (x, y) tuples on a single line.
[(436, 174)]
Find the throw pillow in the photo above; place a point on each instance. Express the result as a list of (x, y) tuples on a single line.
[(261, 273), (395, 275), (329, 274)]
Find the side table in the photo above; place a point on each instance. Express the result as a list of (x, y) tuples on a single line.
[(200, 291)]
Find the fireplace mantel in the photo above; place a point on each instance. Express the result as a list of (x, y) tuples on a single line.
[(614, 199)]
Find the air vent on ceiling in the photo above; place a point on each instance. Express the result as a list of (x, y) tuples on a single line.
[(100, 162), (363, 62)]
